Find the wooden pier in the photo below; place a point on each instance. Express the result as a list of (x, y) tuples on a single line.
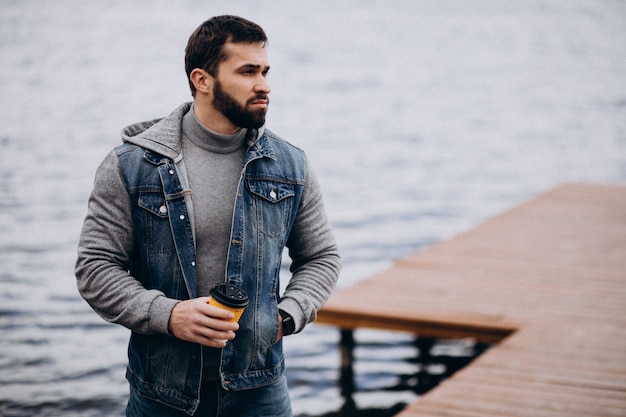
[(545, 282)]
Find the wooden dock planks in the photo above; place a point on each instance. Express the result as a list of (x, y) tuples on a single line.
[(546, 280)]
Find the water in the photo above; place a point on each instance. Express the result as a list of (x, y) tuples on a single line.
[(423, 118)]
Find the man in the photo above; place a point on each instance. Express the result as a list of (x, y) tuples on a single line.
[(204, 196)]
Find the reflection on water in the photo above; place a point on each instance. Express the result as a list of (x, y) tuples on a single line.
[(421, 118), (382, 372)]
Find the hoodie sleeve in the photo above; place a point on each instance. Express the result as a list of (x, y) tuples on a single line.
[(315, 258), (104, 254)]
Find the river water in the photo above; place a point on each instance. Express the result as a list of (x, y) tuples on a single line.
[(423, 118)]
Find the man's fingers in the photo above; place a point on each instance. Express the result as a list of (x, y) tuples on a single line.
[(196, 321), (219, 313)]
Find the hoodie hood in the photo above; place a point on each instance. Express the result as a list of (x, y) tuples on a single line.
[(163, 135), (159, 135)]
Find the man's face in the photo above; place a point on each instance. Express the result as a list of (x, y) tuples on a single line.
[(241, 90)]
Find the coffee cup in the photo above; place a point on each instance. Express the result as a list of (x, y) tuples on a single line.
[(229, 297)]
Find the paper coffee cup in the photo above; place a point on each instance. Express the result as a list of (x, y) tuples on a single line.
[(229, 297)]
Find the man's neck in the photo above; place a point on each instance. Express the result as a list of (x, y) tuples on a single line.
[(210, 140)]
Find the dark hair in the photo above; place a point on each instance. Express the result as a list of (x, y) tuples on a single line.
[(205, 46)]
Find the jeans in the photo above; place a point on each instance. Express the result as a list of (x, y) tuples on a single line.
[(267, 401)]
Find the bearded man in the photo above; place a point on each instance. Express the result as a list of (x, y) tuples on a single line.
[(204, 196)]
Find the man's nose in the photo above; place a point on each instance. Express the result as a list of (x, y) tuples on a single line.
[(262, 86)]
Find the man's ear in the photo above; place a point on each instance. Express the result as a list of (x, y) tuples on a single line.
[(202, 80)]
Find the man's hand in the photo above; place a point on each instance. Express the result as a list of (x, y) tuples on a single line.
[(198, 322)]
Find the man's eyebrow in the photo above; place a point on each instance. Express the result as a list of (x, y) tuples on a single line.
[(254, 66)]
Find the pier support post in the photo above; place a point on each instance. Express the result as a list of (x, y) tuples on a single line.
[(346, 347)]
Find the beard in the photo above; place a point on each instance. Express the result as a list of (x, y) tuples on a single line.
[(237, 114)]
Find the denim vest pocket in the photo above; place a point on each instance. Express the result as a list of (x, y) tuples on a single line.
[(272, 203), (154, 203), (155, 222)]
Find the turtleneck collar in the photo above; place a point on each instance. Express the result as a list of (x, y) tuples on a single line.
[(209, 140)]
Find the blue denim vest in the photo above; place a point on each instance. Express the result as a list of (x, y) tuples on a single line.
[(269, 193)]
